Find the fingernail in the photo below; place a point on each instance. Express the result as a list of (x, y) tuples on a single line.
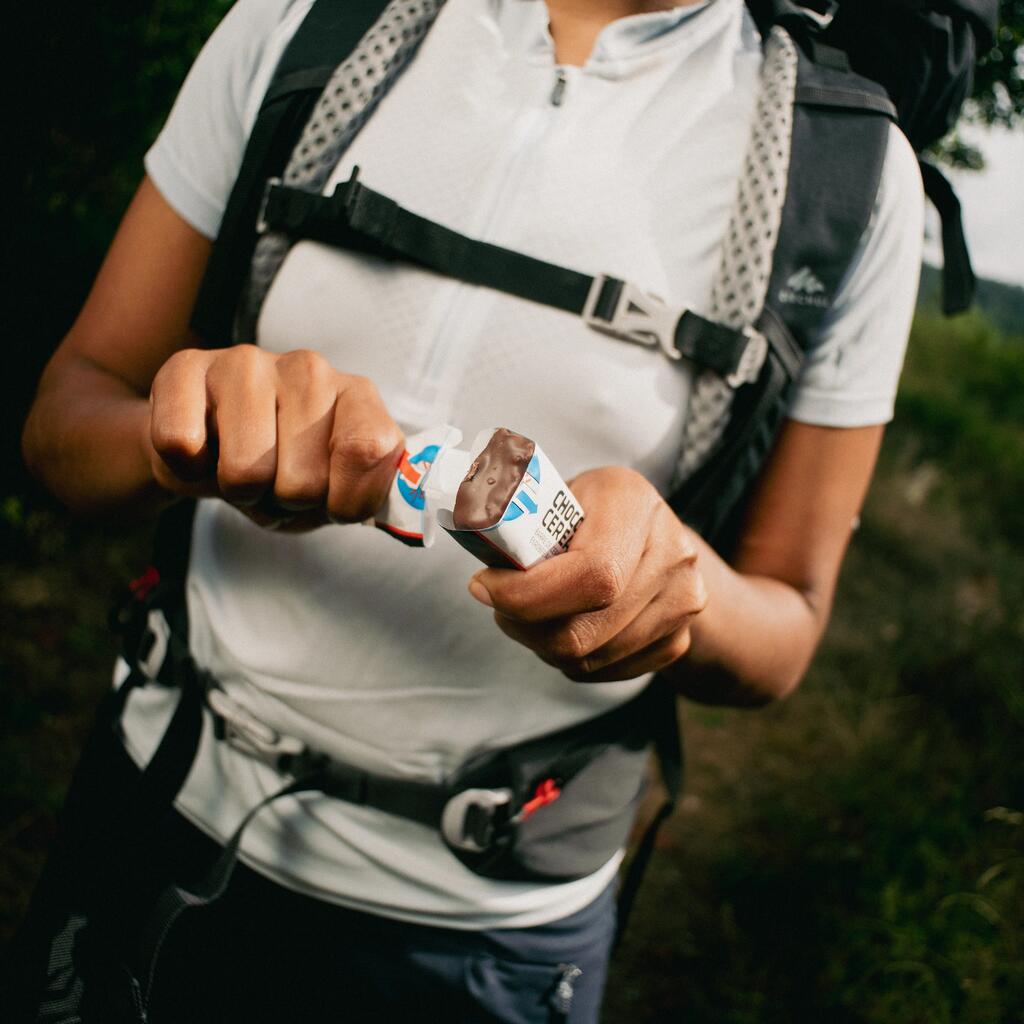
[(479, 591)]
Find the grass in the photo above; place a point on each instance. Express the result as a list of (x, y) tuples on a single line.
[(856, 854), (852, 855)]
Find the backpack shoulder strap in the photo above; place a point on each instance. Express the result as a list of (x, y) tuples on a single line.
[(331, 30), (837, 142), (840, 134)]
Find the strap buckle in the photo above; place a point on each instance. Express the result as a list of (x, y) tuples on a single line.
[(153, 644), (623, 310), (748, 369), (248, 734), (261, 217), (471, 818), (823, 18)]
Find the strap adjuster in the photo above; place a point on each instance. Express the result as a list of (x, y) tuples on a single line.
[(748, 369), (153, 644), (470, 819), (261, 217), (248, 734), (623, 310)]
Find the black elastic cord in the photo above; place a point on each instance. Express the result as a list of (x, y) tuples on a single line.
[(176, 899)]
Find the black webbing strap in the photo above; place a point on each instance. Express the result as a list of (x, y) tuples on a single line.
[(669, 749), (414, 799), (958, 279), (356, 217)]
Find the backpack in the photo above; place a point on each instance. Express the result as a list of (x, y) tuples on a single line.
[(814, 163), (924, 55)]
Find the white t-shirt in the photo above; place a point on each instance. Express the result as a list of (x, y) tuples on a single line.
[(374, 652)]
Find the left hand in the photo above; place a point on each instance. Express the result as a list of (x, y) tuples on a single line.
[(619, 603)]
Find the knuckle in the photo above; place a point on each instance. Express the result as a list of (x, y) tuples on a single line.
[(240, 478), (677, 646), (300, 492), (240, 364), (182, 360), (360, 386), (571, 644), (303, 362), (605, 583), (171, 441), (364, 452), (700, 595)]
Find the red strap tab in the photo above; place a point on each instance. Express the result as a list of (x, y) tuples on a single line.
[(547, 792), (141, 587)]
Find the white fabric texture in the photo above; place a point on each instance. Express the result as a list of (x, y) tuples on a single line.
[(374, 652)]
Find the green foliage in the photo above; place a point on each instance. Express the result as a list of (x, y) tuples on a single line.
[(963, 393), (92, 85), (856, 854), (999, 81)]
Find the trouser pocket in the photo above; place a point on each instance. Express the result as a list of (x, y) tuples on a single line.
[(524, 993)]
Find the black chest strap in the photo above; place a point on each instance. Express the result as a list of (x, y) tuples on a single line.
[(357, 218)]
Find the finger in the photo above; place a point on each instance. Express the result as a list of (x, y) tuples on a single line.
[(653, 658), (657, 621), (306, 391), (365, 448), (178, 408), (243, 398), (272, 517), (584, 579), (567, 641), (602, 558)]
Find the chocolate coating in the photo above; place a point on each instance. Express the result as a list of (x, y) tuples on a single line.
[(492, 479)]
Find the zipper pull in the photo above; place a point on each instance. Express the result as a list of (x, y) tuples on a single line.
[(559, 90)]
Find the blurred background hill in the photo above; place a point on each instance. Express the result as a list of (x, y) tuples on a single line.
[(1002, 304), (854, 855)]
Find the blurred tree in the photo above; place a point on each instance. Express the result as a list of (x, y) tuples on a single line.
[(89, 86), (999, 80)]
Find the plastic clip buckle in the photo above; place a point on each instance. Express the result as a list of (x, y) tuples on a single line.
[(468, 819), (248, 734), (638, 316), (820, 19), (261, 217)]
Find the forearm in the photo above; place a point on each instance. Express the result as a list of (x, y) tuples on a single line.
[(754, 640), (85, 440)]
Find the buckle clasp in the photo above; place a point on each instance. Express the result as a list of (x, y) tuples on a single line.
[(471, 818), (248, 734), (625, 311)]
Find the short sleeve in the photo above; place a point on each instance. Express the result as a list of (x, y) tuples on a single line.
[(853, 368), (196, 157)]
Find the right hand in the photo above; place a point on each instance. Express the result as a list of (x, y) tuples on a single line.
[(285, 437)]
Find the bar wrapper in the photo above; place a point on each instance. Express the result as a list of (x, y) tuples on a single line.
[(536, 522), (405, 515)]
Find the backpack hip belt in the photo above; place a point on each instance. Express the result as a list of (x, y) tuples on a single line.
[(588, 778)]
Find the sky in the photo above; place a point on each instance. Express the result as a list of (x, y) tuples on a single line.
[(993, 206)]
